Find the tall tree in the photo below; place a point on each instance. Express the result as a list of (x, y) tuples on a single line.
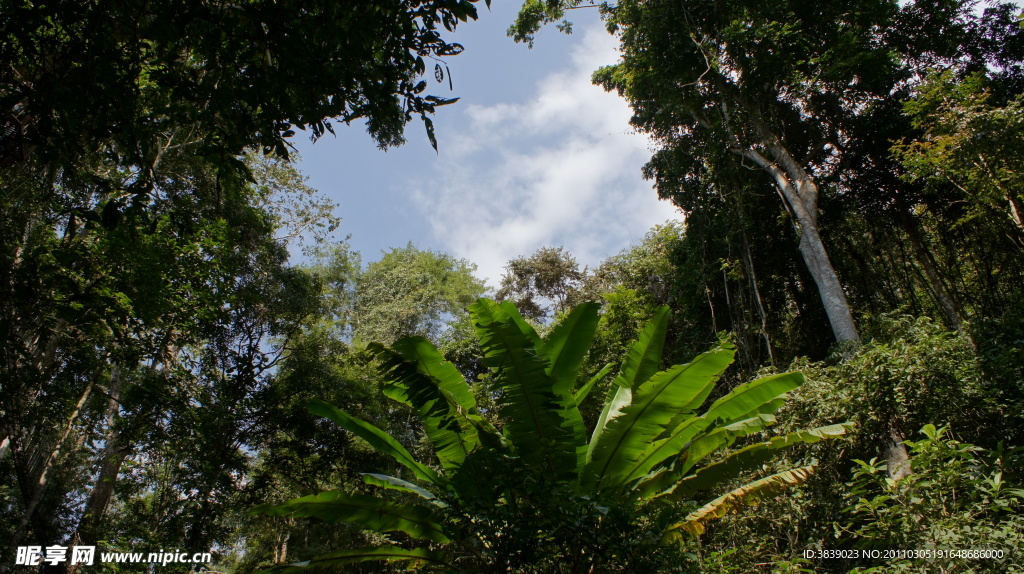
[(545, 283), (112, 331), (411, 291), (797, 91), (771, 85), (135, 78)]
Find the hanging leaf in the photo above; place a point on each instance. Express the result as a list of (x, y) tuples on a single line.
[(441, 101), (747, 494), (438, 73), (453, 49), (427, 123), (378, 439), (395, 483)]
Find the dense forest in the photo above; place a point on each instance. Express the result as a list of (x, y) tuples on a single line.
[(819, 368)]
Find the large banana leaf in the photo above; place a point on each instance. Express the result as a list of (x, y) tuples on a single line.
[(750, 457), (366, 511), (750, 493), (741, 412), (395, 483), (567, 344), (641, 362), (643, 358), (581, 394), (416, 556), (565, 348), (507, 311), (434, 388), (763, 395), (745, 402), (659, 472), (662, 450), (536, 418), (377, 438), (719, 438), (625, 449)]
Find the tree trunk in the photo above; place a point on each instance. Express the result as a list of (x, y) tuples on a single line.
[(800, 195), (896, 456), (99, 498), (946, 303), (113, 456), (831, 290)]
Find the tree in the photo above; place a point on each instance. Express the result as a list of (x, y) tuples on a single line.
[(410, 291), (114, 335), (969, 143), (544, 284), (137, 78), (770, 85), (801, 99), (506, 496)]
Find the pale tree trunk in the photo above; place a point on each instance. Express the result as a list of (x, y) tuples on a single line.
[(111, 459), (896, 456), (800, 194)]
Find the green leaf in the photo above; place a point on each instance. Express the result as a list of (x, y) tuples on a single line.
[(536, 418), (395, 483), (565, 348), (625, 450), (507, 310), (377, 438), (366, 511), (616, 399), (332, 560), (721, 438), (567, 344), (641, 362), (644, 356), (581, 394), (434, 388), (760, 396), (745, 402)]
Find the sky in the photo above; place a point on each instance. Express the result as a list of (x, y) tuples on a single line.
[(533, 155)]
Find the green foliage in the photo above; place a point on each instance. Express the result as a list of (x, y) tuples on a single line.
[(133, 78), (300, 213), (135, 356), (546, 283), (968, 141), (544, 479), (911, 372), (411, 291), (959, 497)]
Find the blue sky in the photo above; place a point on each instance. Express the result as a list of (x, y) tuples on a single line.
[(533, 155)]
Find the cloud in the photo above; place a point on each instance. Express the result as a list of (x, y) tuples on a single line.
[(561, 168)]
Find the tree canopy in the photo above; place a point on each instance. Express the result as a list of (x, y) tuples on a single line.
[(123, 83)]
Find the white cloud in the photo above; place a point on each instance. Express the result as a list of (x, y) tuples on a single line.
[(559, 169)]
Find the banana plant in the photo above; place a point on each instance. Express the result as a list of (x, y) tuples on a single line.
[(650, 444)]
